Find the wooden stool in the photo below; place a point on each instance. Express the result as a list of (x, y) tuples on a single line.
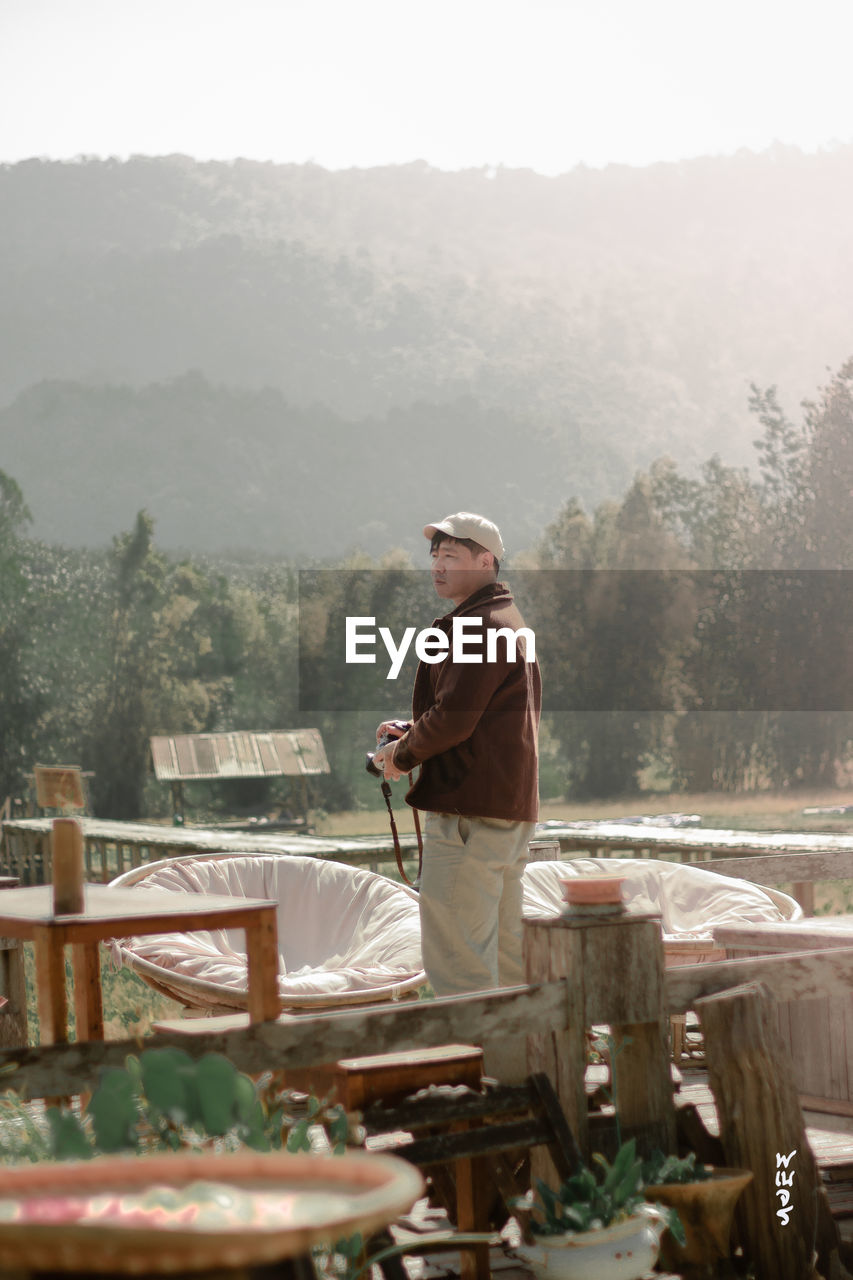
[(390, 1077)]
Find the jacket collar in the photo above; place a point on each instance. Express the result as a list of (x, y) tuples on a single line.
[(491, 591)]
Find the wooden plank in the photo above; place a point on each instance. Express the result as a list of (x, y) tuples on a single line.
[(467, 1143), (846, 1044), (205, 753), (262, 964), (267, 752), (831, 1106), (306, 1040), (171, 841), (787, 868), (51, 994), (564, 1150), (88, 1002), (496, 1103), (558, 1052), (835, 931), (686, 842), (185, 752), (792, 976), (803, 891)]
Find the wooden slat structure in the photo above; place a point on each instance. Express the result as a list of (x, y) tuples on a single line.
[(195, 757), (189, 757)]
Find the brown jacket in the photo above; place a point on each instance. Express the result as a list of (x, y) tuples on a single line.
[(475, 724)]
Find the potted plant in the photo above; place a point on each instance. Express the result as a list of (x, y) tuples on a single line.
[(704, 1198), (596, 1225)]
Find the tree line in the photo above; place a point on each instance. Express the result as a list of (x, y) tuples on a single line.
[(692, 632)]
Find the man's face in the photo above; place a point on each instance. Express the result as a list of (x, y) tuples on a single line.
[(457, 572)]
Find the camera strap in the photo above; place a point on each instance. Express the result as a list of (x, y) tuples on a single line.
[(398, 853)]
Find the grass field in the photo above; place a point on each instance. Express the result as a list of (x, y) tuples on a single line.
[(753, 811)]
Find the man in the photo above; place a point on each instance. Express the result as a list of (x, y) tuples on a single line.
[(474, 734)]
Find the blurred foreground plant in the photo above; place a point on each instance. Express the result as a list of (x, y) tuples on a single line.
[(164, 1100)]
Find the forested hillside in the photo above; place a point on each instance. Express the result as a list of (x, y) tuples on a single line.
[(729, 669), (276, 356)]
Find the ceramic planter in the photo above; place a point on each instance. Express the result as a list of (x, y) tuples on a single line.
[(603, 890), (624, 1251), (706, 1209)]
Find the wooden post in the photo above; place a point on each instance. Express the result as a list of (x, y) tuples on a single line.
[(67, 858), (262, 961), (614, 965), (13, 987), (784, 1213), (803, 891), (88, 998)]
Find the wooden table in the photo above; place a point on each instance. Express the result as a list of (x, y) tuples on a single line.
[(117, 913)]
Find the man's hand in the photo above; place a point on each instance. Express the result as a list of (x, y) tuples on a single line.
[(392, 729), (384, 760)]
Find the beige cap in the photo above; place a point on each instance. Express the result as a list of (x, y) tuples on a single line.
[(464, 524)]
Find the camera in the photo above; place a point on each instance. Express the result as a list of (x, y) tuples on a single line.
[(402, 726)]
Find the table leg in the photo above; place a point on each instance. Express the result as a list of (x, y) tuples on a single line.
[(262, 954), (50, 980), (88, 1000)]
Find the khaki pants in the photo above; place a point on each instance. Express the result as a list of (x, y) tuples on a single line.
[(470, 902)]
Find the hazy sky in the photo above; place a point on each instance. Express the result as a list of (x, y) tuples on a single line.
[(544, 84)]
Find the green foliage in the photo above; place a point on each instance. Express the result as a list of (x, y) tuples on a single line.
[(660, 1168), (165, 1100), (591, 1199), (98, 651), (596, 1198), (22, 692)]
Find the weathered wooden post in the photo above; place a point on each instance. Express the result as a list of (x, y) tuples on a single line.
[(614, 966), (13, 988), (783, 1215)]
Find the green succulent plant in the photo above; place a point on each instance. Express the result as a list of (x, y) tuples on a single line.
[(660, 1169), (595, 1198), (165, 1100)]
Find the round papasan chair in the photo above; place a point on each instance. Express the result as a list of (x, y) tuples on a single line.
[(345, 935), (691, 902)]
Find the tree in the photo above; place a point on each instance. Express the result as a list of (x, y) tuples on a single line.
[(21, 691), (159, 679)]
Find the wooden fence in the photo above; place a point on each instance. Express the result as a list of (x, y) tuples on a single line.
[(113, 847), (795, 859)]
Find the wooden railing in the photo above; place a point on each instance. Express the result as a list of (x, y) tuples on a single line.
[(798, 859), (113, 847)]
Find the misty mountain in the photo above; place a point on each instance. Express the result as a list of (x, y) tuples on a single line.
[(237, 346), (225, 469)]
